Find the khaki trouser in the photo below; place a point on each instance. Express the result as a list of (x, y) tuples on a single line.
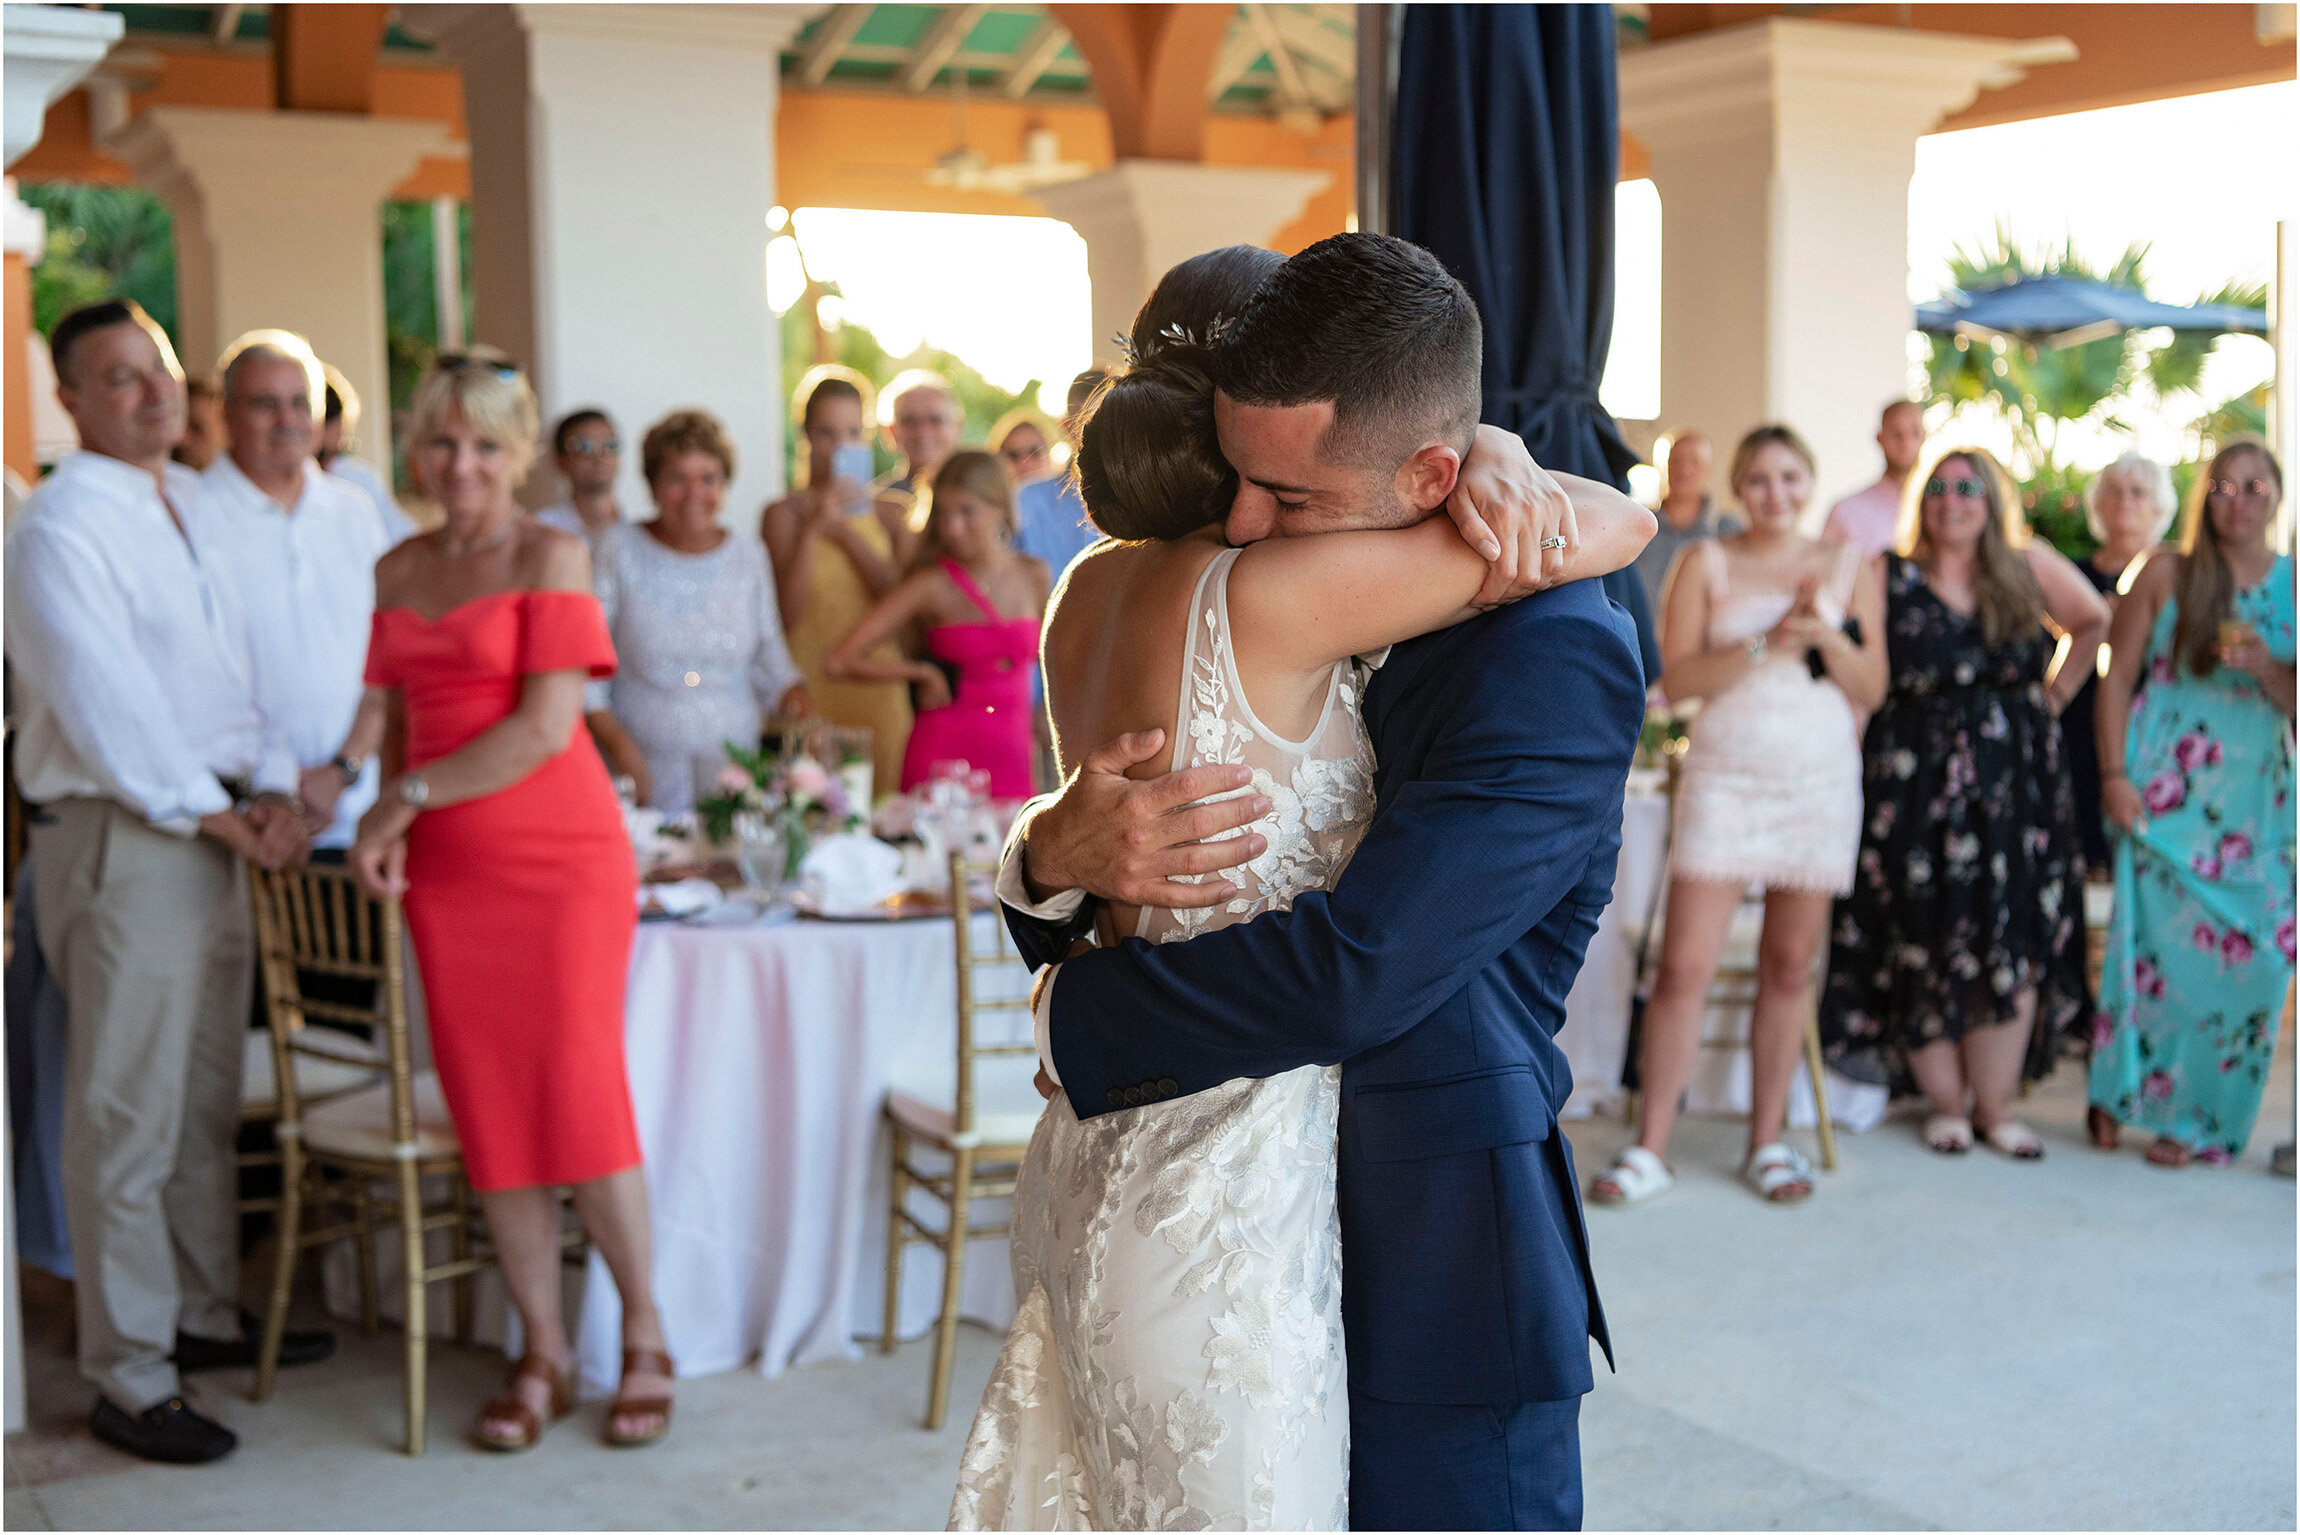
[(150, 937)]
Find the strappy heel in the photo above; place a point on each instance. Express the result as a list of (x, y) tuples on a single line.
[(653, 1361), (507, 1411)]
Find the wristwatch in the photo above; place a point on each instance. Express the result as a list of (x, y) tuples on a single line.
[(414, 791), (349, 767), (1754, 647)]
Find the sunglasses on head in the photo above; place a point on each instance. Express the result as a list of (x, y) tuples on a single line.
[(1962, 485), (456, 362), (1017, 455), (594, 447), (2260, 487)]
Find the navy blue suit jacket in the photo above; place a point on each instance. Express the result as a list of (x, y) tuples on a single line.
[(1436, 973)]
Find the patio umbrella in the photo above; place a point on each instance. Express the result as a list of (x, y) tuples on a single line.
[(1505, 150), (2057, 312)]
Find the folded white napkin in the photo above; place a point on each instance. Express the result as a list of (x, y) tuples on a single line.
[(851, 873), (679, 897)]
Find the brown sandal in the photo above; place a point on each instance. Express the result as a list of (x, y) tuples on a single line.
[(655, 1362), (507, 1411)]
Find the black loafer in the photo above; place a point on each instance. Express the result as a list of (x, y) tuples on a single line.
[(170, 1432), (196, 1353)]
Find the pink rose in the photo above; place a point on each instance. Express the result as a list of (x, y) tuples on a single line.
[(2213, 1156), (809, 776), (2235, 847), (2147, 979), (2156, 1086), (2188, 751), (2212, 755), (731, 780), (2103, 1029), (2206, 864), (2167, 791), (2235, 948), (2285, 939), (2161, 669), (2204, 937)]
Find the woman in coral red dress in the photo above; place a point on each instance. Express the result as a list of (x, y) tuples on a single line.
[(499, 827)]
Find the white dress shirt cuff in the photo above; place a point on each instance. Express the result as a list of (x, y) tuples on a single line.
[(1042, 1022), (277, 773), (1060, 907)]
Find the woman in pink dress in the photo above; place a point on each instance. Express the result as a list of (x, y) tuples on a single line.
[(979, 603)]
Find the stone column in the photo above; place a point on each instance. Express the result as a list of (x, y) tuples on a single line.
[(1140, 217), (622, 166), (1782, 151), (279, 223)]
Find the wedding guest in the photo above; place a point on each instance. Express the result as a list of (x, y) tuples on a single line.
[(1686, 513), (833, 549), (588, 455), (1024, 441), (1770, 797), (203, 435), (920, 413), (1870, 518), (2127, 506), (1050, 519), (979, 602), (498, 827), (2197, 781), (700, 658), (1959, 957), (339, 441), (149, 775), (308, 542)]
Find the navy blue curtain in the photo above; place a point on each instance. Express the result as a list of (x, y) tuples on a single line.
[(1505, 150)]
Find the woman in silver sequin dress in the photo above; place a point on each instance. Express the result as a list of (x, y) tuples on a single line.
[(698, 637)]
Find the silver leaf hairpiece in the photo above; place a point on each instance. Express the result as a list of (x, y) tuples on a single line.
[(1173, 334)]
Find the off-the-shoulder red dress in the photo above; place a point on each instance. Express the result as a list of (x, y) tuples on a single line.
[(521, 903)]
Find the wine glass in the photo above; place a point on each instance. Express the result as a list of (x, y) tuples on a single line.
[(759, 854)]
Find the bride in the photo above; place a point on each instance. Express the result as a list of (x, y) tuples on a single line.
[(1177, 1359)]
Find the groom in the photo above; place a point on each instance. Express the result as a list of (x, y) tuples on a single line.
[(1436, 971)]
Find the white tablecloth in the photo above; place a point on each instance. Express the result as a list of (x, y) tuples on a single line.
[(759, 1058), (1595, 1036)]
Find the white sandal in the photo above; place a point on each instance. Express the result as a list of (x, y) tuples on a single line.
[(1775, 1172), (1948, 1134), (1635, 1176), (2015, 1140)]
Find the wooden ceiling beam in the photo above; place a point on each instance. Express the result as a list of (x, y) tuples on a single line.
[(1039, 50), (832, 35), (323, 56), (941, 41), (1149, 65)]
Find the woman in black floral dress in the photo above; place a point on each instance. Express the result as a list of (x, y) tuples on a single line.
[(1959, 956)]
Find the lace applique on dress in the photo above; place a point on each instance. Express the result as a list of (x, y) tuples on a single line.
[(1177, 1360)]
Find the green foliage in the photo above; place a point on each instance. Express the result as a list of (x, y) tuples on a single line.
[(2038, 391), (104, 242), (980, 401), (411, 296)]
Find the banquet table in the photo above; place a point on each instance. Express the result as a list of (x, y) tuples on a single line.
[(759, 1057), (1595, 1034)]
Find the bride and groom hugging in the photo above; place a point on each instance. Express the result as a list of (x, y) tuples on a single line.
[(1192, 1275)]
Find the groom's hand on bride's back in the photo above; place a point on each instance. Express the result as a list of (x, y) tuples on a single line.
[(1132, 841)]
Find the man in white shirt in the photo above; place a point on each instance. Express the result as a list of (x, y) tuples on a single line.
[(151, 776), (589, 457), (308, 542), (1870, 519)]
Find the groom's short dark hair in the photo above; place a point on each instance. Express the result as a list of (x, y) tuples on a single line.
[(1378, 326)]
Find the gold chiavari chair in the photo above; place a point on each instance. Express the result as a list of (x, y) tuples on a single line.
[(981, 1130), (335, 1153)]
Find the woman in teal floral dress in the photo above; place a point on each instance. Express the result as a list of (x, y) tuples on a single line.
[(2200, 788)]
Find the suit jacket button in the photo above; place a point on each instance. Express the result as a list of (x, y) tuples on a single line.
[(1168, 1087), (1116, 1097), (1133, 1096)]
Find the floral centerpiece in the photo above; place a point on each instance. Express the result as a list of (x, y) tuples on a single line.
[(802, 798)]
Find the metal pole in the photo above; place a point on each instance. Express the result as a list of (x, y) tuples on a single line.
[(447, 272), (1377, 66)]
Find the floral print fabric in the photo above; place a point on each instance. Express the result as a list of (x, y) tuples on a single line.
[(2201, 948), (1177, 1360), (1968, 889)]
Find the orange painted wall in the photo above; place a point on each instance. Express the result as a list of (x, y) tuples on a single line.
[(2125, 53), (67, 150)]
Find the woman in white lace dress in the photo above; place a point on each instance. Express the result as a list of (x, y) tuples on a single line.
[(698, 636), (1177, 1360), (1770, 797)]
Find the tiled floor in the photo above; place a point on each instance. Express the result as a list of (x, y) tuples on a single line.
[(2091, 1343)]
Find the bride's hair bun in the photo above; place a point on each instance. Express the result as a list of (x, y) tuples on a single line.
[(1149, 464)]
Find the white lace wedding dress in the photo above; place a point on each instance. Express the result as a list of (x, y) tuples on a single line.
[(1177, 1362)]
